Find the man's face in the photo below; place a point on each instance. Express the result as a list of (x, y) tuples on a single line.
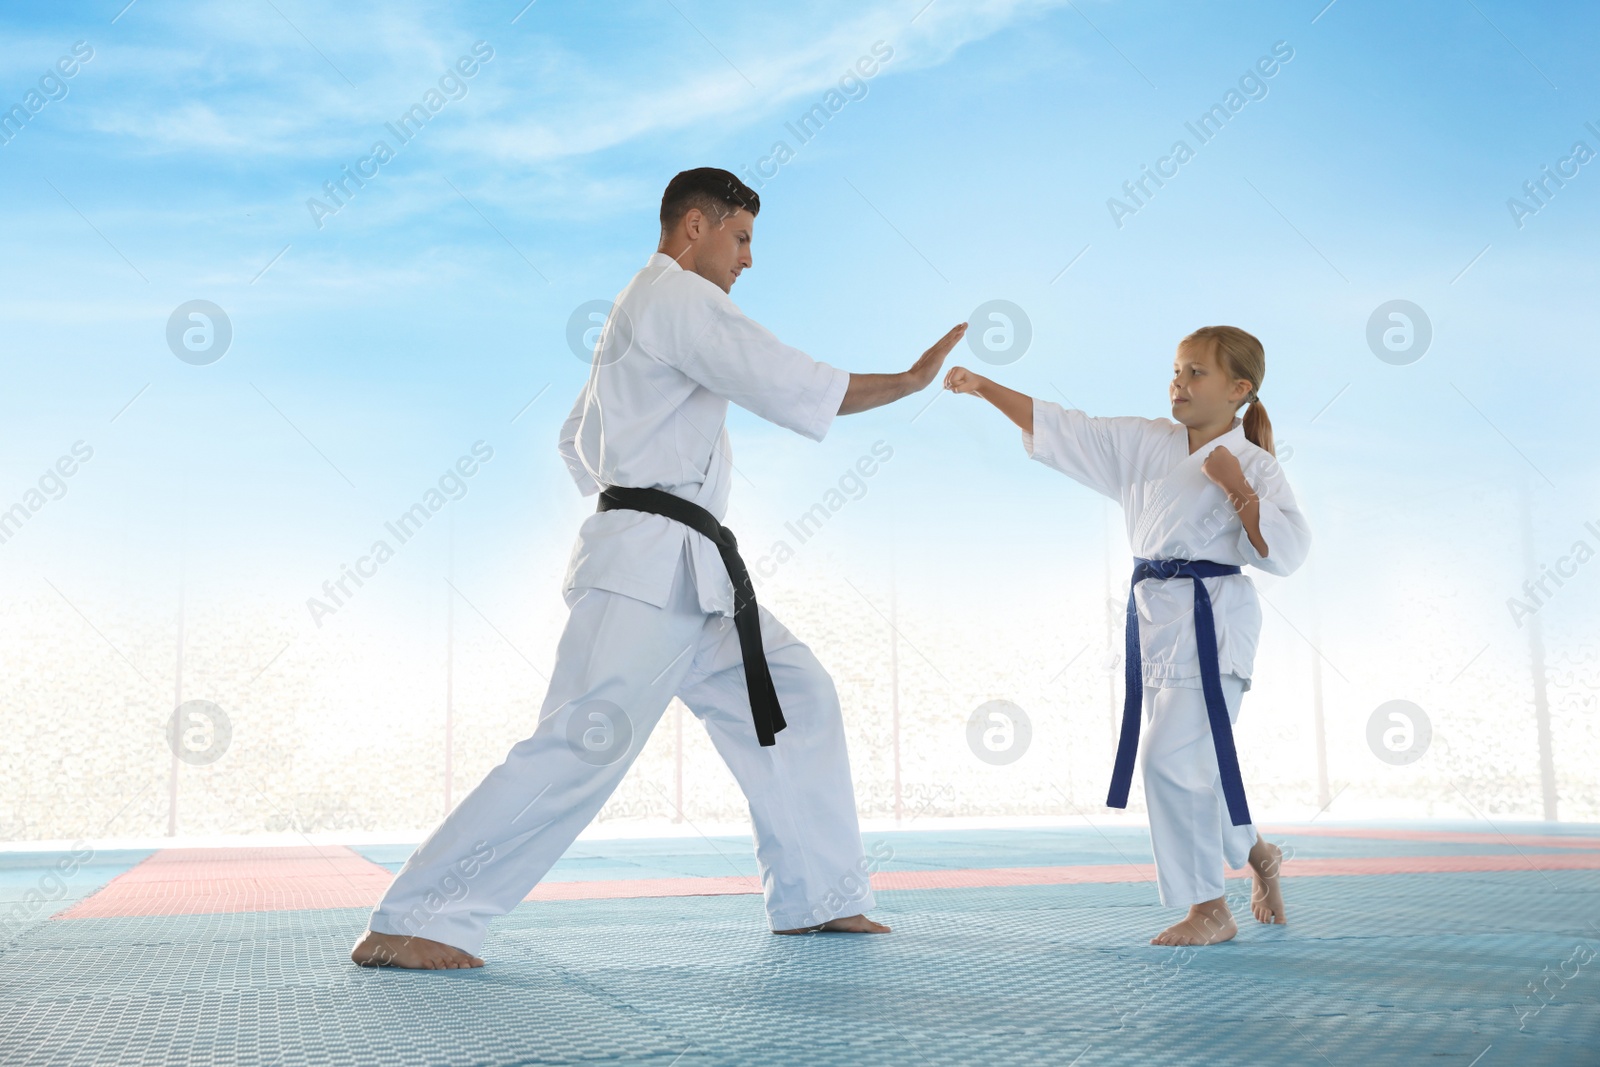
[(721, 249)]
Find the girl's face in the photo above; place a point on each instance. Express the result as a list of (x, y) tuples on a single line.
[(1201, 394)]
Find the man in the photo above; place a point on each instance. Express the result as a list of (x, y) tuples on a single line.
[(662, 606)]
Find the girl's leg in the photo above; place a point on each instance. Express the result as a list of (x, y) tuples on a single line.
[(1190, 832), (1242, 845)]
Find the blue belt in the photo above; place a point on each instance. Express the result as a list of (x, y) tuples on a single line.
[(1205, 635)]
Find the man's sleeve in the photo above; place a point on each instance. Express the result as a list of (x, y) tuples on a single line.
[(568, 446), (741, 361)]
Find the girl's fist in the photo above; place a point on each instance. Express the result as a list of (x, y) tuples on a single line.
[(961, 380), (1222, 467)]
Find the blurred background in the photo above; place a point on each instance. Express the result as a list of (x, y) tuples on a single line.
[(270, 270)]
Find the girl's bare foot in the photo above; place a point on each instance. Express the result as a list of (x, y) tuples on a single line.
[(1266, 898), (416, 953), (1206, 924), (850, 924)]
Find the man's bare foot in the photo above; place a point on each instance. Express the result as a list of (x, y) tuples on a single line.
[(416, 953), (1266, 899), (850, 924), (1206, 924)]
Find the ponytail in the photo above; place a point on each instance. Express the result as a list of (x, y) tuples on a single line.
[(1240, 355), (1258, 428)]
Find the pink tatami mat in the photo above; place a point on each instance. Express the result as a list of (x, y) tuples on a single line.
[(197, 881), (1449, 836), (228, 880)]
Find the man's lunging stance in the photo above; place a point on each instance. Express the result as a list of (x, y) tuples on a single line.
[(662, 606)]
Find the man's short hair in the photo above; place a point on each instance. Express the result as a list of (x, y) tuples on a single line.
[(715, 192)]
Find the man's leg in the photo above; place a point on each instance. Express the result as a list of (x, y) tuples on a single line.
[(802, 802), (1191, 834), (618, 663)]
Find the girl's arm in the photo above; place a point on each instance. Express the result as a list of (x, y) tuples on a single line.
[(1267, 508), (1222, 467), (1244, 499), (1018, 407), (1101, 453)]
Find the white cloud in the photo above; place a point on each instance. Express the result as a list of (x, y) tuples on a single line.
[(601, 111), (253, 85)]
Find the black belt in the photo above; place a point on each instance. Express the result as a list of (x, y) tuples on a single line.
[(764, 707)]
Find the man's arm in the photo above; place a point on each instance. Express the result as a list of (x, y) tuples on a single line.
[(568, 447), (741, 361), (868, 391)]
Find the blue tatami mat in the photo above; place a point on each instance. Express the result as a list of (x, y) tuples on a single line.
[(1404, 969)]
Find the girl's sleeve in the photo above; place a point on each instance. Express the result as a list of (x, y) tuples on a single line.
[(1099, 452), (1283, 524)]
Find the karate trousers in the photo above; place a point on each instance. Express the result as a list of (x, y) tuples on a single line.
[(1191, 834), (619, 659)]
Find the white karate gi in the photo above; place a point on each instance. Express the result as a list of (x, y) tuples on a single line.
[(1173, 511), (652, 618)]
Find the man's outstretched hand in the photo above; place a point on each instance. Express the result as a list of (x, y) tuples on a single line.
[(868, 391), (928, 365)]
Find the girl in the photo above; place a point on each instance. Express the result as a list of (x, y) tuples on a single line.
[(1203, 494)]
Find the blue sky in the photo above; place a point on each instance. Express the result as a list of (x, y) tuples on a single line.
[(975, 164)]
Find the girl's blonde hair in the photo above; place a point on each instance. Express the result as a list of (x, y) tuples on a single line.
[(1240, 355)]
